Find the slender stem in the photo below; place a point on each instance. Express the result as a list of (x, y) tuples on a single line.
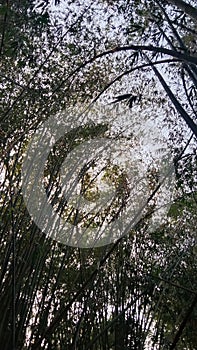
[(188, 9)]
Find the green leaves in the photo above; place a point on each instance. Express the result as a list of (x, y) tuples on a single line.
[(185, 204), (3, 10)]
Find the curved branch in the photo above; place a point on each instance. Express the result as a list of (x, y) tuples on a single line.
[(127, 72), (157, 49), (181, 56)]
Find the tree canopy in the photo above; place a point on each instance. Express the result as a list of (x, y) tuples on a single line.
[(118, 78)]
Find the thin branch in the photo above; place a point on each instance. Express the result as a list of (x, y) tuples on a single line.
[(182, 56), (177, 36), (183, 323), (62, 311), (119, 77), (191, 68), (18, 98), (187, 8), (127, 72), (186, 92), (175, 285), (114, 319), (175, 102)]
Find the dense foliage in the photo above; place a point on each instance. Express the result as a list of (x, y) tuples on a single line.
[(127, 70)]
